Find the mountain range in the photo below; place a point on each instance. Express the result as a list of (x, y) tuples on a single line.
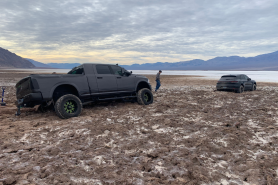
[(261, 62), (11, 60), (265, 62), (63, 65), (54, 65), (38, 64)]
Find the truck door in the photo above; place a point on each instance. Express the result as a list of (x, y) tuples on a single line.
[(77, 77), (125, 83), (106, 81), (91, 77)]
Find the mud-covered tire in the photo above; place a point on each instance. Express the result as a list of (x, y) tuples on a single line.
[(240, 89), (68, 106), (254, 87), (144, 97)]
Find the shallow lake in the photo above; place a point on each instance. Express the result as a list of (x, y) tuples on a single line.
[(261, 76)]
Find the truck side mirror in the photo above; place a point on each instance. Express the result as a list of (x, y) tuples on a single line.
[(248, 79)]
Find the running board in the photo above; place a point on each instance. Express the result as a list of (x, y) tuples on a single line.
[(115, 98), (85, 103), (103, 99)]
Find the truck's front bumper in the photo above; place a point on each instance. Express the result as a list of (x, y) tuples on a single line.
[(30, 100), (150, 86)]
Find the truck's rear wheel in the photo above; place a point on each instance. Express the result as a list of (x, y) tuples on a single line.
[(254, 87), (144, 97), (240, 89), (68, 106)]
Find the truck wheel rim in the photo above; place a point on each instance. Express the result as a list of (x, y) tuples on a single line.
[(70, 106), (147, 97)]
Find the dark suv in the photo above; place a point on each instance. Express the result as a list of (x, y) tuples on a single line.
[(82, 85), (238, 83)]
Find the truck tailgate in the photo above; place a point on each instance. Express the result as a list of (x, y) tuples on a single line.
[(23, 87)]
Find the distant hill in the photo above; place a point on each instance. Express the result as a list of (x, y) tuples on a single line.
[(261, 62), (11, 60), (63, 65), (38, 64), (265, 62)]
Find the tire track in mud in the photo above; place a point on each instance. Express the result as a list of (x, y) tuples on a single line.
[(189, 135)]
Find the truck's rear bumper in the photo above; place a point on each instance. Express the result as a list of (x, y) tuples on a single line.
[(30, 100), (227, 86)]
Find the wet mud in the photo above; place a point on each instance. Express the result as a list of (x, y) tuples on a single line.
[(191, 134)]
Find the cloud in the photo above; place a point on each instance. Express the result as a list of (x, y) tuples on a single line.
[(126, 30)]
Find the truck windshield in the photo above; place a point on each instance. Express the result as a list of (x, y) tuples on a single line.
[(77, 70)]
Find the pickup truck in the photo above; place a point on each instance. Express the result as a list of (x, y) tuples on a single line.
[(87, 83)]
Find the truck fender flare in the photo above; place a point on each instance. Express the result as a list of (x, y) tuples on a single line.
[(62, 83), (143, 82)]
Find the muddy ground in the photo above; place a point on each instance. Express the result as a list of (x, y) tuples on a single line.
[(191, 134)]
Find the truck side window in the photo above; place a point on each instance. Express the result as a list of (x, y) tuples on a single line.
[(103, 69), (117, 70), (77, 70)]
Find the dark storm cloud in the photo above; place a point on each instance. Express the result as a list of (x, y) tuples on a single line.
[(208, 28)]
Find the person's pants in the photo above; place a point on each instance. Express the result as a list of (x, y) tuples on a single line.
[(157, 85)]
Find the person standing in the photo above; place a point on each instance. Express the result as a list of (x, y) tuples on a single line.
[(157, 79)]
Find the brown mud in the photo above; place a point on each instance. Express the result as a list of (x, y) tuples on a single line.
[(191, 134)]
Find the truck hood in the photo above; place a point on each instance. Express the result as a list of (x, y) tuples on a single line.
[(138, 76)]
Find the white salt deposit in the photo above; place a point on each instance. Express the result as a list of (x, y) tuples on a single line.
[(262, 76)]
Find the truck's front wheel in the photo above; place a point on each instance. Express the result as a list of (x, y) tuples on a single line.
[(68, 106), (144, 97)]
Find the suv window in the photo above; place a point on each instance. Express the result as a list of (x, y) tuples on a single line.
[(117, 70), (244, 77), (77, 70), (103, 69), (228, 78)]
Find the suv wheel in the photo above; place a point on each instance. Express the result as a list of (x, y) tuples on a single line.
[(68, 106), (144, 97), (240, 89), (254, 87)]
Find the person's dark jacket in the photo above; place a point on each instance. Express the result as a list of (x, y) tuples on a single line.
[(157, 77)]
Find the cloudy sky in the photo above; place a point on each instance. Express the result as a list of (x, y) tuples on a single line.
[(137, 31)]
